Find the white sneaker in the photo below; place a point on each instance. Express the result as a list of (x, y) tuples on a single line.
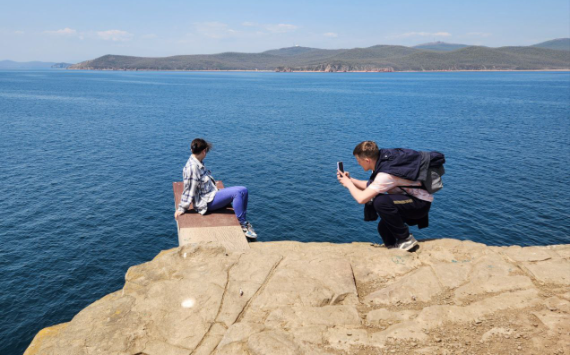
[(407, 244), (248, 230)]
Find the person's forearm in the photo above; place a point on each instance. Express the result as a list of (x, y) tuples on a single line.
[(358, 194), (360, 184)]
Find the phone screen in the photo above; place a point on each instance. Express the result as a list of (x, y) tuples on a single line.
[(340, 166)]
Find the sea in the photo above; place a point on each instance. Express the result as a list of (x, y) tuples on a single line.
[(87, 161)]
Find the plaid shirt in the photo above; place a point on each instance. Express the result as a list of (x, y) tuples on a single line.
[(199, 186)]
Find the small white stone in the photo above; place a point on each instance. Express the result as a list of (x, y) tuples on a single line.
[(188, 303)]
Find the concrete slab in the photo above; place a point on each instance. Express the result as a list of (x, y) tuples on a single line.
[(220, 226)]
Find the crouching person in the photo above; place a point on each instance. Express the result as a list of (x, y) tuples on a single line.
[(385, 195)]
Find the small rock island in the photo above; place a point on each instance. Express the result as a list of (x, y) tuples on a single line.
[(448, 297)]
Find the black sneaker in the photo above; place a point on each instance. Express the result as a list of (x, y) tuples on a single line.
[(407, 244)]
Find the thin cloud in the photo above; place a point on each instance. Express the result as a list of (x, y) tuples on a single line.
[(479, 34), (423, 34), (271, 28), (330, 34), (280, 28), (214, 29), (19, 33), (64, 32), (115, 35), (149, 36)]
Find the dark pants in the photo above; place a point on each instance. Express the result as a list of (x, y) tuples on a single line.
[(394, 211)]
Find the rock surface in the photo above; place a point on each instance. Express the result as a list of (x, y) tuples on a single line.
[(448, 297)]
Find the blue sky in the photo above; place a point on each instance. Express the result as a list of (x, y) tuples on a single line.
[(71, 31)]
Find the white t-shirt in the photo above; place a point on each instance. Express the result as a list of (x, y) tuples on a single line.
[(389, 183)]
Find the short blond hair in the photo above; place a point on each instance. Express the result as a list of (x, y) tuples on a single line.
[(366, 149)]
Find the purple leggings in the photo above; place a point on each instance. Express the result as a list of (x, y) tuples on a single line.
[(237, 196)]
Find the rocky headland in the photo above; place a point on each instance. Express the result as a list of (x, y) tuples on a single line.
[(448, 297)]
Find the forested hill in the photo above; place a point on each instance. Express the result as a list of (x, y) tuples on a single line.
[(562, 44), (375, 58)]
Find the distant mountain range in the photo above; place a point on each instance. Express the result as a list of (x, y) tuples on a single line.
[(426, 57), (553, 54), (440, 46), (562, 44), (10, 64)]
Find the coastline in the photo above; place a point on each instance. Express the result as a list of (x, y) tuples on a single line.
[(329, 72)]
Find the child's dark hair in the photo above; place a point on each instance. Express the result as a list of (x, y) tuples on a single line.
[(366, 149), (198, 145)]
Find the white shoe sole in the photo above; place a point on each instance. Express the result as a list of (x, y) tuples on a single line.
[(410, 247)]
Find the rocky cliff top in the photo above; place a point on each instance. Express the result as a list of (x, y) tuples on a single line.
[(449, 297)]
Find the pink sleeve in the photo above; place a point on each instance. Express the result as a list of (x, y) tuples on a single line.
[(383, 182)]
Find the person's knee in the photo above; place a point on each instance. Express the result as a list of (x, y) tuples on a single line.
[(383, 203), (242, 190)]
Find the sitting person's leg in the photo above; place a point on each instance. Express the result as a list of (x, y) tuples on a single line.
[(235, 195)]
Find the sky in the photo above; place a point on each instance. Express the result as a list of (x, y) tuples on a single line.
[(72, 31)]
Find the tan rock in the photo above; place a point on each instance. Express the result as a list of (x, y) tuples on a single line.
[(45, 340), (246, 278), (377, 316), (518, 254), (318, 282), (435, 316), (558, 325), (492, 285), (300, 316), (210, 341), (561, 250), (373, 264), (420, 285), (341, 338), (556, 304), (430, 350), (401, 331), (312, 334), (508, 300), (158, 347), (451, 251), (550, 271), (272, 343), (557, 322), (452, 275), (235, 337), (491, 274), (296, 298), (496, 332)]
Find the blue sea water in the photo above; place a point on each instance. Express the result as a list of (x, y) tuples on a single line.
[(87, 161)]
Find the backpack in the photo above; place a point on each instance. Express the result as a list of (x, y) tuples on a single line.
[(426, 167)]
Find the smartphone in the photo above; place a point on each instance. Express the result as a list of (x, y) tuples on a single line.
[(339, 166)]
